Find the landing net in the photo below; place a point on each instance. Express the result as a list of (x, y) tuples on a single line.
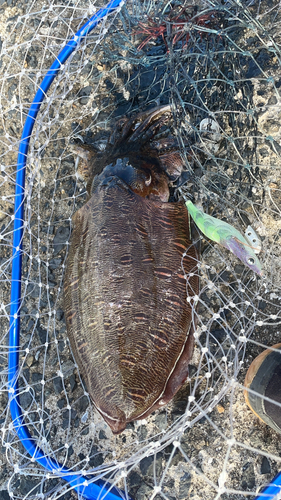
[(218, 65)]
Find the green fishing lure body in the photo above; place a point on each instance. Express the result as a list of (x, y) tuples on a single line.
[(226, 235)]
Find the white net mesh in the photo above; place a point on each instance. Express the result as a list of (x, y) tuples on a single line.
[(222, 63)]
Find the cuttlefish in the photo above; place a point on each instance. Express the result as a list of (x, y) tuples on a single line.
[(131, 282)]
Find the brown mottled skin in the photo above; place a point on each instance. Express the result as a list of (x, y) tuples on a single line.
[(126, 282)]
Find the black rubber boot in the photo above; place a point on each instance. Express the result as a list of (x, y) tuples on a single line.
[(264, 377)]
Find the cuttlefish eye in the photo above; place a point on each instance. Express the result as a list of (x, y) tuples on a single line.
[(251, 260), (148, 181)]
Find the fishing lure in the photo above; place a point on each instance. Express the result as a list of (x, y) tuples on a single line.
[(226, 235)]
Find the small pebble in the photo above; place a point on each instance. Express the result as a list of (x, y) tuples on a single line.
[(220, 408)]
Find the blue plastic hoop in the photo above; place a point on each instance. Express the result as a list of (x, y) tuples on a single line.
[(271, 491), (83, 485)]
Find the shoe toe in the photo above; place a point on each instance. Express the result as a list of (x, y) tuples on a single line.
[(263, 387)]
